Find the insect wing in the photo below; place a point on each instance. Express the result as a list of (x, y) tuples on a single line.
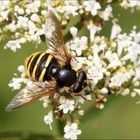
[(27, 96), (54, 37)]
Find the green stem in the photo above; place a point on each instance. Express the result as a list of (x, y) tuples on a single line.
[(60, 126)]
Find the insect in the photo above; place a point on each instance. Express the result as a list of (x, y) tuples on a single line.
[(52, 67)]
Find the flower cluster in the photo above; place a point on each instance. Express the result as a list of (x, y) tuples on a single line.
[(112, 64)]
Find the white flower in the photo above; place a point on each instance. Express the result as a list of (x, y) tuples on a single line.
[(99, 45), (48, 119), (35, 18), (133, 53), (22, 40), (137, 74), (136, 36), (21, 69), (36, 35), (22, 22), (113, 59), (19, 10), (4, 14), (48, 2), (120, 78), (109, 1), (46, 101), (136, 83), (95, 73), (93, 29), (133, 3), (92, 6), (79, 45), (126, 92), (33, 6), (116, 29), (32, 27), (13, 45), (4, 4), (107, 13), (66, 105), (4, 9), (12, 26), (44, 12), (79, 62), (104, 90), (133, 94), (96, 57), (81, 112), (88, 97), (123, 41), (137, 91), (15, 83), (73, 31), (71, 131), (71, 7), (81, 100)]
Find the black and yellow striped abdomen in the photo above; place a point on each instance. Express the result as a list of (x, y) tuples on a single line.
[(38, 66)]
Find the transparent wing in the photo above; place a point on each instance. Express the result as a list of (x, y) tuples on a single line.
[(54, 37), (27, 96)]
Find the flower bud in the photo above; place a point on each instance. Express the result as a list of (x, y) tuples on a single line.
[(73, 31), (104, 90), (35, 18)]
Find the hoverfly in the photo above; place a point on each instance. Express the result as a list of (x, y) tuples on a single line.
[(53, 68)]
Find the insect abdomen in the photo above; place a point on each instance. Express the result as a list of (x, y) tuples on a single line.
[(38, 66)]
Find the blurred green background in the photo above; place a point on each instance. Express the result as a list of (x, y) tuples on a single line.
[(119, 120)]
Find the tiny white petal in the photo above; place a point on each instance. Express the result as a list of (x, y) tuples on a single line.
[(81, 112), (116, 29), (35, 18), (16, 83), (48, 119), (20, 11), (21, 68), (43, 12), (71, 131), (84, 40), (12, 26), (71, 7), (92, 6), (104, 90), (66, 105), (137, 91), (13, 45), (73, 31)]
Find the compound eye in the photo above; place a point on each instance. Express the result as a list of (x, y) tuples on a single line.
[(77, 87), (82, 76)]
